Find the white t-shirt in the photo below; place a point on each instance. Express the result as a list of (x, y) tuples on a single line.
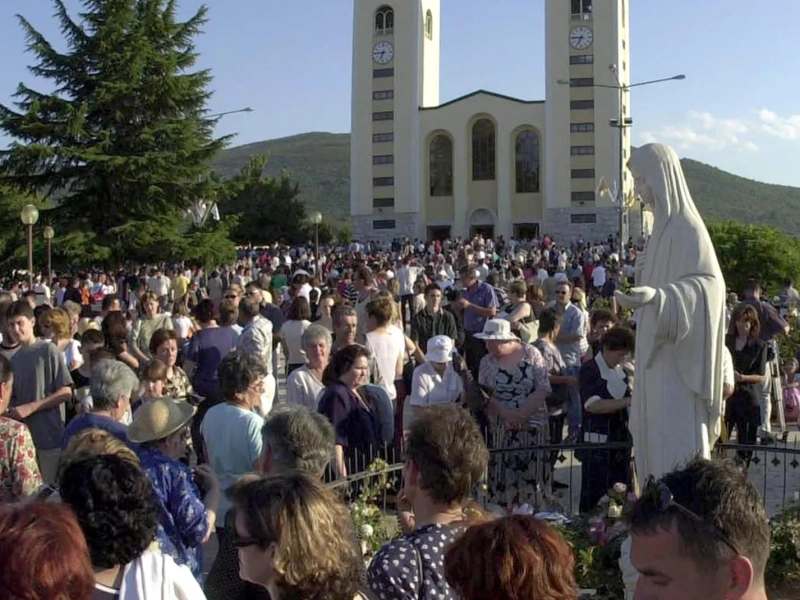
[(429, 388), (303, 388), (72, 354), (599, 276), (182, 326), (292, 332), (384, 348), (406, 277)]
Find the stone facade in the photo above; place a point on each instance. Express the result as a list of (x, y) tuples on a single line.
[(560, 223), (405, 226)]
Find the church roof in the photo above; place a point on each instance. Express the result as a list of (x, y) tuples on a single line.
[(488, 93)]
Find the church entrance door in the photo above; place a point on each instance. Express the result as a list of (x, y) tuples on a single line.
[(482, 222), (440, 232)]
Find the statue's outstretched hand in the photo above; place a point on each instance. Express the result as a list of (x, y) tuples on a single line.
[(638, 297)]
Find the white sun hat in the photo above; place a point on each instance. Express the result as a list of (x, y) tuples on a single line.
[(496, 329), (440, 349)]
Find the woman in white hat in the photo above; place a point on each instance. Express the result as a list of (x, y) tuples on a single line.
[(517, 375), (185, 521), (435, 381)]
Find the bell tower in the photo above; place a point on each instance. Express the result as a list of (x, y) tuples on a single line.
[(588, 67), (395, 73)]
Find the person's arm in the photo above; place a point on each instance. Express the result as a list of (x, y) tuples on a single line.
[(398, 368), (415, 350), (484, 311), (339, 466), (200, 528), (602, 406), (759, 377)]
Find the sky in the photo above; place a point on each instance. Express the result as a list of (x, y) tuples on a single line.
[(290, 61)]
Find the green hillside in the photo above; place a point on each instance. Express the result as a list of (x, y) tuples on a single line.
[(320, 163)]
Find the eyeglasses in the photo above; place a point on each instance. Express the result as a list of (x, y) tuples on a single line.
[(658, 492), (231, 296)]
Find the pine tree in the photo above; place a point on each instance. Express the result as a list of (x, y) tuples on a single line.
[(122, 143), (268, 208)]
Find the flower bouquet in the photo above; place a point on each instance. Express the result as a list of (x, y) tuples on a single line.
[(596, 539)]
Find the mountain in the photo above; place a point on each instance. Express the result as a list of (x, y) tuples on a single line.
[(320, 163)]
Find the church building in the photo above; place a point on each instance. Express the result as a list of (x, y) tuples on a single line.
[(489, 163)]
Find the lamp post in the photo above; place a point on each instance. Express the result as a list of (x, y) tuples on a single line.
[(230, 112), (29, 216), (316, 218), (49, 234), (621, 122)]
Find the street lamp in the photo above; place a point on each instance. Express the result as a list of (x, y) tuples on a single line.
[(230, 112), (49, 234), (316, 218), (622, 123), (29, 216)]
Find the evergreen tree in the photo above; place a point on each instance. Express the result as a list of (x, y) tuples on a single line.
[(122, 143), (268, 208)]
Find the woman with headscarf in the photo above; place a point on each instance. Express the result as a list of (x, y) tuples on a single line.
[(680, 322)]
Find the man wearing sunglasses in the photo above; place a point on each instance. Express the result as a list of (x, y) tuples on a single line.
[(700, 533)]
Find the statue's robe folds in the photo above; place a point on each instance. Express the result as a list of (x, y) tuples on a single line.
[(677, 398)]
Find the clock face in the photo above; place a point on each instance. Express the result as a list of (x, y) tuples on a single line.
[(581, 37), (383, 52)]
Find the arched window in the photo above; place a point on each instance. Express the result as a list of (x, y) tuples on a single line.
[(526, 151), (384, 20), (429, 25), (483, 150), (441, 165)]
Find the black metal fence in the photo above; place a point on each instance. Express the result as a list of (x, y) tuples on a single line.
[(774, 469)]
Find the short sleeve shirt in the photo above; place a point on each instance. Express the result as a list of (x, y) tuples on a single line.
[(412, 567), (483, 295)]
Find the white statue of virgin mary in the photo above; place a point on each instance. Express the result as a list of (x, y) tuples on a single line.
[(680, 320)]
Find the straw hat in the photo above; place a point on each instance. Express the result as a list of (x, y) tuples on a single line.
[(159, 419), (496, 329)]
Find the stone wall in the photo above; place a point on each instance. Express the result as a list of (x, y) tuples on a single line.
[(405, 226), (559, 224)]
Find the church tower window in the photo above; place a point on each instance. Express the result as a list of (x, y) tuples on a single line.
[(582, 9), (384, 20), (527, 162), (441, 165), (483, 150), (429, 25)]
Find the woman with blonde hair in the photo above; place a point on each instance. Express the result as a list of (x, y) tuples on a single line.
[(57, 326), (295, 538)]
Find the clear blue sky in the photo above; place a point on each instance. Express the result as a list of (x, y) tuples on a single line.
[(738, 109)]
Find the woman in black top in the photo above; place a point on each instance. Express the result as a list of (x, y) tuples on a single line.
[(749, 355), (606, 396)]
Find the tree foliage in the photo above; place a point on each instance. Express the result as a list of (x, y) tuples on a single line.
[(760, 252), (268, 208), (123, 142)]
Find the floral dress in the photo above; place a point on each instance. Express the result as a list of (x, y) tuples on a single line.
[(19, 472), (517, 478)]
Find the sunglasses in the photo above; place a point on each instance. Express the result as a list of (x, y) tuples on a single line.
[(238, 541), (660, 496)]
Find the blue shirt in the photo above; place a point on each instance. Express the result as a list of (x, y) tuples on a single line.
[(182, 520), (94, 421), (483, 296), (571, 324)]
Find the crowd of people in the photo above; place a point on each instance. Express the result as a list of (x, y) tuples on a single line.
[(148, 410)]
